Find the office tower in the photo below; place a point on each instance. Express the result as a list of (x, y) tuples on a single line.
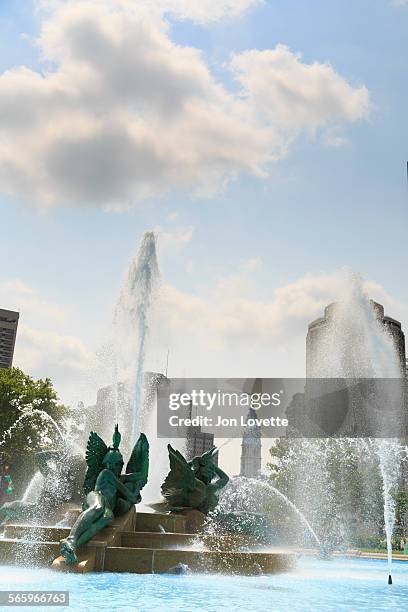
[(8, 332)]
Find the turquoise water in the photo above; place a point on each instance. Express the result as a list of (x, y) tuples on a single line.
[(341, 584)]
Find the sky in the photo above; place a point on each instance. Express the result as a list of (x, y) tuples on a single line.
[(263, 141)]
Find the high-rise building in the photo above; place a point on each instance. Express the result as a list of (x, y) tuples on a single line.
[(115, 404), (317, 330), (198, 441), (251, 449), (8, 332), (324, 408)]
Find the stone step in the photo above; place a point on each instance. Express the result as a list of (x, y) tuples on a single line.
[(29, 532), (20, 553), (98, 557), (144, 522), (55, 534), (148, 539), (226, 542), (132, 539), (151, 521), (156, 561), (42, 554)]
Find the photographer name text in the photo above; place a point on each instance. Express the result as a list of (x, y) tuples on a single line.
[(207, 421)]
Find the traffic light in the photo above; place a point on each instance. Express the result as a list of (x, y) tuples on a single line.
[(9, 484), (6, 481)]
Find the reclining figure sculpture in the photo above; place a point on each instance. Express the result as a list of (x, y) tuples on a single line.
[(195, 484), (109, 493)]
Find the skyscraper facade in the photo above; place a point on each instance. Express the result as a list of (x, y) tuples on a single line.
[(198, 441), (317, 330), (251, 449), (8, 332)]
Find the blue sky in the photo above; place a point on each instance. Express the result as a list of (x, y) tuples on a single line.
[(317, 209)]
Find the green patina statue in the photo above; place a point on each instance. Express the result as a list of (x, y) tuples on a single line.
[(108, 492), (63, 475), (196, 485), (193, 485)]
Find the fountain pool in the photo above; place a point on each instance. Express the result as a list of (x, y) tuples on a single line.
[(321, 586)]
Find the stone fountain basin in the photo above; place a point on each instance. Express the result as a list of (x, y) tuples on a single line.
[(136, 543)]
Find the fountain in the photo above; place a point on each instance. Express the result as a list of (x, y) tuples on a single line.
[(29, 413), (109, 535), (388, 451), (358, 346), (57, 479), (351, 344), (104, 536), (352, 341), (242, 492), (131, 323), (131, 328)]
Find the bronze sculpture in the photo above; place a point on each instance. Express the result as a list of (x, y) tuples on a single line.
[(193, 485), (108, 492), (63, 475), (196, 485)]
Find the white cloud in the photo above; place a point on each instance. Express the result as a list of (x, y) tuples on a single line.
[(293, 96), (225, 330), (232, 332), (203, 11), (40, 350), (229, 331), (393, 307), (17, 295), (198, 11), (333, 138), (46, 354), (174, 239), (121, 113), (231, 315)]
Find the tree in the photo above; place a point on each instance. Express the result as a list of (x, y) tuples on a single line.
[(30, 416), (401, 511), (336, 485)]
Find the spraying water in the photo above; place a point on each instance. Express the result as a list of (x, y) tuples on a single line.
[(28, 414), (159, 467), (356, 345), (131, 325), (33, 490), (296, 510), (388, 451), (242, 493)]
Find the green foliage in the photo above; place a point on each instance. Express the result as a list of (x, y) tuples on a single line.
[(338, 488), (368, 542), (24, 429), (281, 473), (401, 508), (374, 543), (19, 391)]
